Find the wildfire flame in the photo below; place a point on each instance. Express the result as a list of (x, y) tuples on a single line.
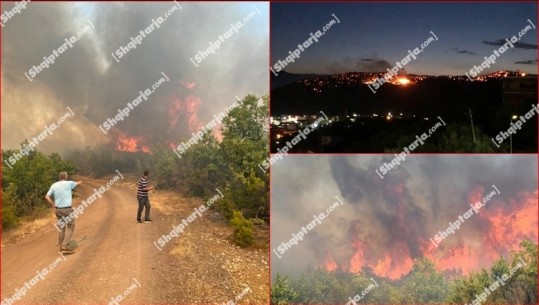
[(192, 103), (403, 81), (503, 226), (185, 108), (330, 263), (130, 144)]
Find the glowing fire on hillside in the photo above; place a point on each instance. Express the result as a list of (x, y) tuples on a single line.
[(403, 81)]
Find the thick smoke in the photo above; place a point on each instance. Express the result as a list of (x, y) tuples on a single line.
[(396, 215), (90, 81)]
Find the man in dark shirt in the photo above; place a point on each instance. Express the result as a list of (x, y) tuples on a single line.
[(142, 196)]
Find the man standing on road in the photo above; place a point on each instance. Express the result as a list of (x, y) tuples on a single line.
[(62, 193), (142, 196)]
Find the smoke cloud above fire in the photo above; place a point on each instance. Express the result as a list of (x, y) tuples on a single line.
[(385, 224), (94, 85)]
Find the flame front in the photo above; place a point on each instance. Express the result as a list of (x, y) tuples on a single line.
[(495, 230)]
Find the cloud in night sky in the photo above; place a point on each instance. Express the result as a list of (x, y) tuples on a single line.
[(527, 62), (518, 45), (463, 51)]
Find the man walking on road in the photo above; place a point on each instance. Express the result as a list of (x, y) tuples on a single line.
[(62, 193), (142, 196)]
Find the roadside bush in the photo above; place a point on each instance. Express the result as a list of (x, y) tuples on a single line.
[(243, 229)]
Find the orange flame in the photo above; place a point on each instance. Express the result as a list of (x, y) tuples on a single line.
[(330, 264), (188, 109), (192, 103), (130, 144)]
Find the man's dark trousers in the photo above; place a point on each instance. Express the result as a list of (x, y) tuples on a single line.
[(143, 202)]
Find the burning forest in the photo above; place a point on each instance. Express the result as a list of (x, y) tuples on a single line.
[(421, 212)]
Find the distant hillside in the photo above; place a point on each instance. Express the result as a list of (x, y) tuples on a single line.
[(284, 78), (348, 92), (429, 97)]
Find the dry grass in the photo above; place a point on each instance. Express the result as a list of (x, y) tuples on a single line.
[(169, 202), (27, 227)]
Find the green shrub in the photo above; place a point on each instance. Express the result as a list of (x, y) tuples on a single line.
[(9, 208), (243, 229)]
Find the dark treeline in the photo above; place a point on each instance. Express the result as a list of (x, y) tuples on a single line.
[(25, 182)]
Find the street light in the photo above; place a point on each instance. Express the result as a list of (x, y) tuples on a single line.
[(514, 117)]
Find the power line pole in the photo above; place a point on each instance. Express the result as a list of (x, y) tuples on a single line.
[(471, 121)]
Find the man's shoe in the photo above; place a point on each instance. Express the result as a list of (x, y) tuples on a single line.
[(66, 249), (139, 221), (148, 220)]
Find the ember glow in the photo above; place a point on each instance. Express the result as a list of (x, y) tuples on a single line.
[(386, 224)]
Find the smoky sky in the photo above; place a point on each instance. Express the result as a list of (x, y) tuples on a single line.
[(88, 79), (413, 202)]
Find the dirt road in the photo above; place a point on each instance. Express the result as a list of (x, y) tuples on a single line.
[(117, 257)]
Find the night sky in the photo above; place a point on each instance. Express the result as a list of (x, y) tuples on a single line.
[(371, 36)]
